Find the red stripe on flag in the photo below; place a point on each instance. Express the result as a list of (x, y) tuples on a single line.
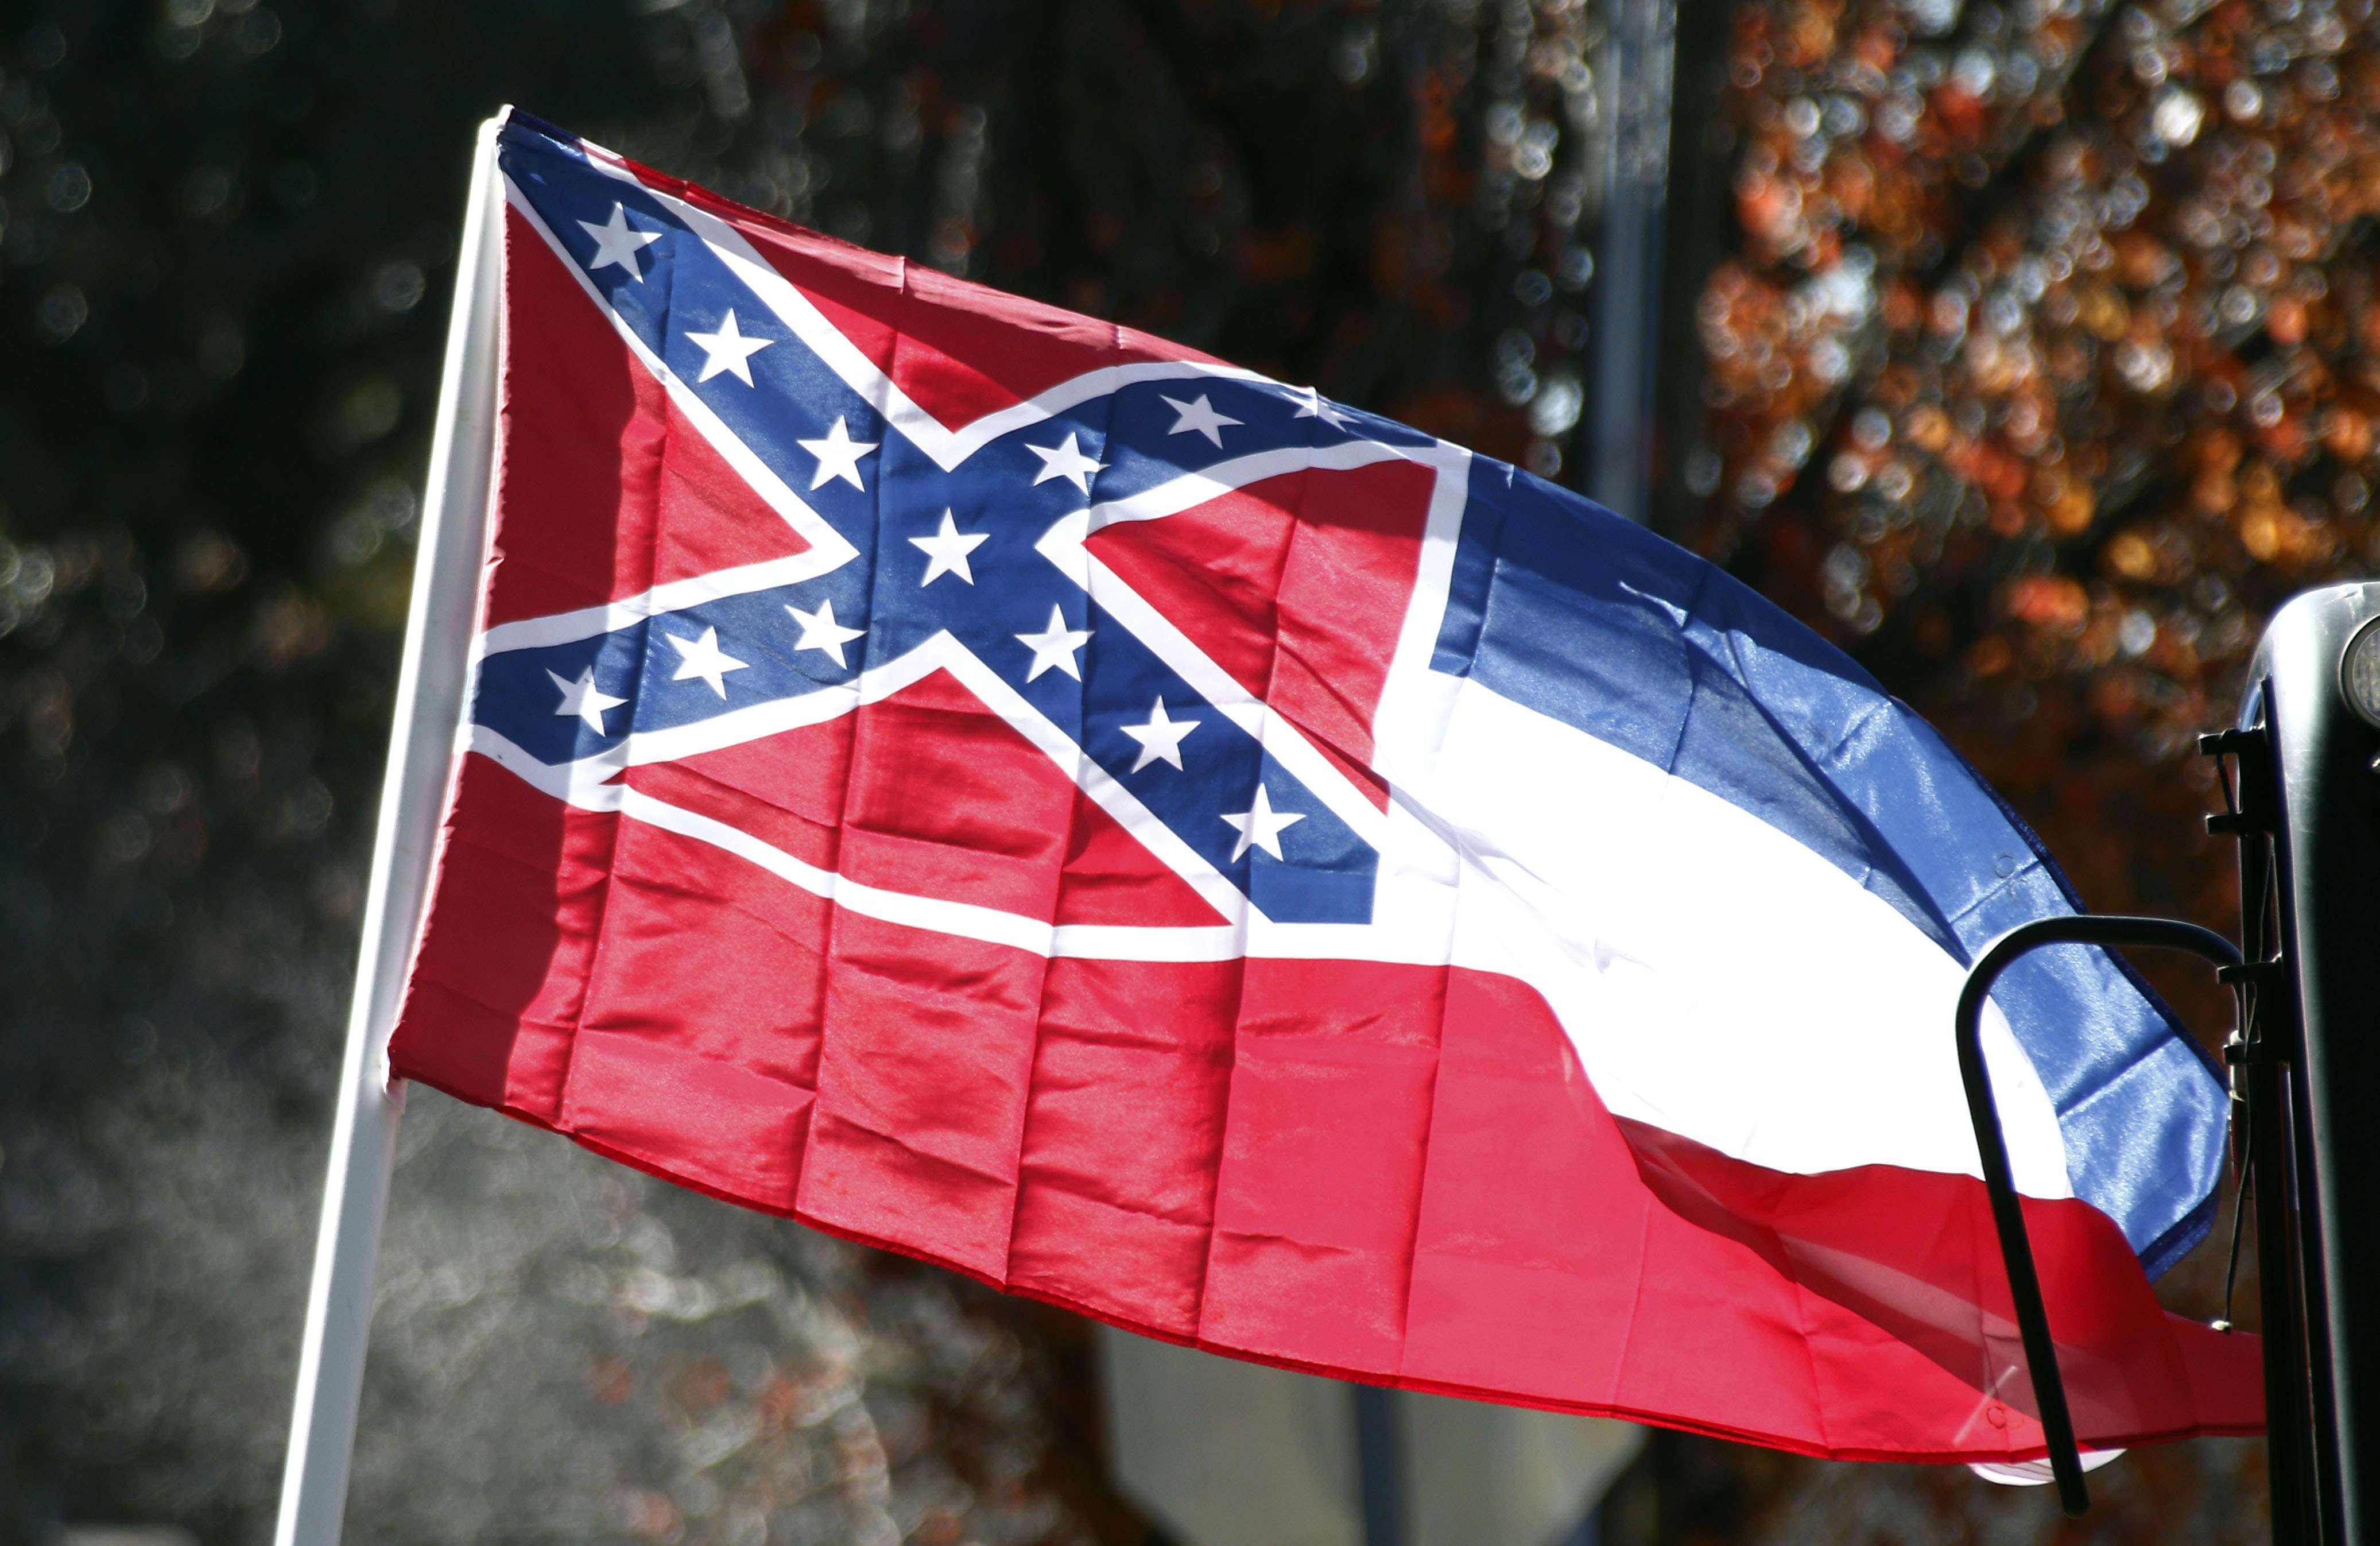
[(1124, 1136), (1528, 1259), (922, 1090), (1324, 1158), (1394, 1172)]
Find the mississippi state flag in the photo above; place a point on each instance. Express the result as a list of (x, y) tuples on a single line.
[(991, 784)]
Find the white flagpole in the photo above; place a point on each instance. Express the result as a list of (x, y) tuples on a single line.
[(429, 688)]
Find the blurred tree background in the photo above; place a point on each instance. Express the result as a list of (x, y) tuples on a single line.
[(2025, 347)]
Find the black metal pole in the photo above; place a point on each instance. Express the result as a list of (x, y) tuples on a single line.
[(2281, 1294), (1617, 430), (2008, 1209), (1379, 1466)]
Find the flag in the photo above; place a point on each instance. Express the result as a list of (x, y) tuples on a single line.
[(994, 785)]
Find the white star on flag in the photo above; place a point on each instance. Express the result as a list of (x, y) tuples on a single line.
[(617, 243), (946, 550), (1314, 405), (1160, 738), (727, 351), (1261, 826), (838, 456), (701, 660), (584, 699), (822, 633), (1065, 461), (1200, 415), (1054, 647)]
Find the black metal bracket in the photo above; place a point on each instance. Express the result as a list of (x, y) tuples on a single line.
[(2008, 1211), (2254, 806)]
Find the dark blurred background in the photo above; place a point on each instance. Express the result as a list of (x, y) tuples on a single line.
[(2027, 348)]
